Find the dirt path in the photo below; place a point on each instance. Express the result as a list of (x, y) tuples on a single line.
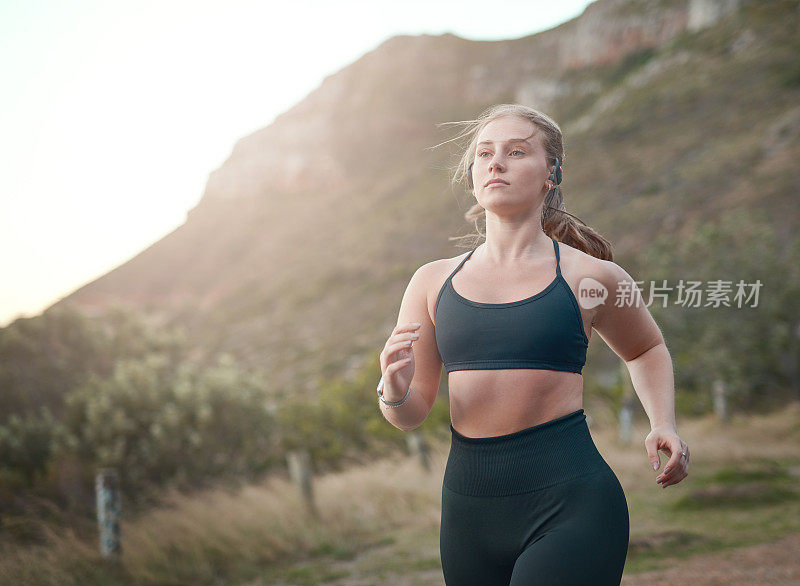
[(769, 563)]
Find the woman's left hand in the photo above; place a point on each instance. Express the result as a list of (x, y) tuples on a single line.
[(666, 439)]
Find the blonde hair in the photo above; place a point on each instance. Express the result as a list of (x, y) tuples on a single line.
[(556, 221)]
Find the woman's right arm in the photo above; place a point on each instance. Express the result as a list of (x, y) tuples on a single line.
[(424, 369)]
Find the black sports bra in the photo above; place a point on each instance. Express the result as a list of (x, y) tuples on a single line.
[(542, 331)]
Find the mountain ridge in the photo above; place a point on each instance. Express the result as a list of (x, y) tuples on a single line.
[(266, 263)]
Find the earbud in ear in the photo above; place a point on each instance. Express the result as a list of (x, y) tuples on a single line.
[(555, 176)]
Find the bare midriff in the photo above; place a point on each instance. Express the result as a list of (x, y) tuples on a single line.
[(485, 403)]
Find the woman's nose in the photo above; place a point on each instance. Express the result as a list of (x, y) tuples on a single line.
[(495, 165)]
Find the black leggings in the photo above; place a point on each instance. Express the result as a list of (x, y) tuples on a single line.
[(536, 507)]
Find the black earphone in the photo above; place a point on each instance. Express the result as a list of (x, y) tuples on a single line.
[(555, 176)]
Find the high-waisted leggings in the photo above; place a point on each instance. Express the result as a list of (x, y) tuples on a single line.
[(532, 508)]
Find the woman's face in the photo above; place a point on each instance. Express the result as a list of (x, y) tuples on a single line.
[(509, 149)]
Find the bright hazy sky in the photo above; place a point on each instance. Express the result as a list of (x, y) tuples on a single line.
[(113, 114)]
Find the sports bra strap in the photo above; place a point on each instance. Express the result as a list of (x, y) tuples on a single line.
[(558, 258), (461, 263)]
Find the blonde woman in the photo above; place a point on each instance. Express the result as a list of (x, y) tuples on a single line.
[(526, 498)]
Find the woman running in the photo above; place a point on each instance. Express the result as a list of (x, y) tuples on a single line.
[(527, 499)]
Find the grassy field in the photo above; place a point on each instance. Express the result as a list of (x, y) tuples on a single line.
[(379, 523)]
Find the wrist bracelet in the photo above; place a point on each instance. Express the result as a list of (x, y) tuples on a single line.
[(392, 403)]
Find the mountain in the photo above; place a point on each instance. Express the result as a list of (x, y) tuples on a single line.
[(295, 259)]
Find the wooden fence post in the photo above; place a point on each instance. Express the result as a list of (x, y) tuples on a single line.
[(300, 472), (793, 360), (108, 511), (720, 400), (626, 423), (418, 448), (625, 414)]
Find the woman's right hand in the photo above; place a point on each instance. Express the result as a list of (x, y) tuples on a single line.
[(397, 361)]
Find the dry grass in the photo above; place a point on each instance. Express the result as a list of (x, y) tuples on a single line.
[(711, 444), (232, 533), (380, 521)]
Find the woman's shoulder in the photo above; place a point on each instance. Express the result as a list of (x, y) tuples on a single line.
[(439, 269), (433, 274), (582, 264), (580, 259)]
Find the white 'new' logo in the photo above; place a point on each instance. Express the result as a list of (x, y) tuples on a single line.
[(591, 293)]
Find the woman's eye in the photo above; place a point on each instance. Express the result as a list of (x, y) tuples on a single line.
[(480, 154)]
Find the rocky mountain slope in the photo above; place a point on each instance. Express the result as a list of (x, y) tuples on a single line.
[(295, 260)]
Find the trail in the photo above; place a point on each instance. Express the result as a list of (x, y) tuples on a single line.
[(768, 563)]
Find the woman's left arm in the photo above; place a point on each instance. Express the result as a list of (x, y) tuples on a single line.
[(625, 324)]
